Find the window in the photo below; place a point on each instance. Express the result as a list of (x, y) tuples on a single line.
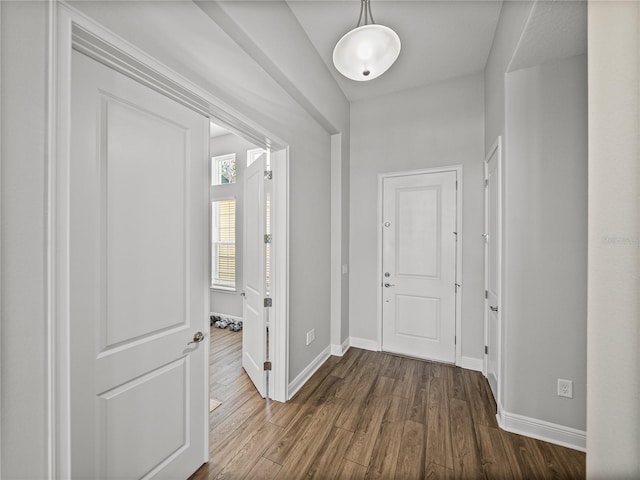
[(253, 154), (223, 240), (223, 169)]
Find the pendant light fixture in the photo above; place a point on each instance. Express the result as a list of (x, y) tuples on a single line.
[(367, 51)]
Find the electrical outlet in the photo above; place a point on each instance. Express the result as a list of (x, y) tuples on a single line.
[(565, 388), (311, 335)]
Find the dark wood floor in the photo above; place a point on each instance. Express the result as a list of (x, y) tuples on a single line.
[(369, 415)]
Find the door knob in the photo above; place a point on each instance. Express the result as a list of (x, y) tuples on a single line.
[(389, 285), (493, 309), (197, 338)]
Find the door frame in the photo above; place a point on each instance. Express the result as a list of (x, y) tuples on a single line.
[(379, 276), (69, 29), (496, 148)]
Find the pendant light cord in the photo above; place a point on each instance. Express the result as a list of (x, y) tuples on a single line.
[(365, 7)]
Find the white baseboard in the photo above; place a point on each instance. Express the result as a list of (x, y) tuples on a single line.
[(364, 343), (546, 431), (232, 317), (471, 363), (302, 378), (340, 350)]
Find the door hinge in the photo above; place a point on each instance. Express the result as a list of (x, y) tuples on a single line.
[(268, 174), (268, 238), (457, 286), (456, 184), (486, 350), (455, 340), (268, 302), (486, 294), (267, 366), (486, 182)]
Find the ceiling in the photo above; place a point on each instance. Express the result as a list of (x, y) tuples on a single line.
[(440, 39), (554, 30)]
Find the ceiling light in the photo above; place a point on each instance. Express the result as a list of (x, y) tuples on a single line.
[(367, 51)]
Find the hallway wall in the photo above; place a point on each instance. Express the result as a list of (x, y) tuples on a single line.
[(545, 283), (540, 111), (613, 362), (432, 126)]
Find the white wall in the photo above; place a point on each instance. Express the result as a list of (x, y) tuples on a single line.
[(545, 294), (432, 126), (613, 363), (541, 114), (513, 17), (24, 324), (225, 302), (257, 27)]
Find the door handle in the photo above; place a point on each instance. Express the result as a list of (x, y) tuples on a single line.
[(197, 338), (493, 309), (242, 294), (389, 285)]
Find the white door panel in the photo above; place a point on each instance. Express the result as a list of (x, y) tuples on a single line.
[(143, 205), (254, 330), (493, 237), (137, 206), (419, 265)]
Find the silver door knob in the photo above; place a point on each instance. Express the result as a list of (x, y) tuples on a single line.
[(389, 285), (197, 338)]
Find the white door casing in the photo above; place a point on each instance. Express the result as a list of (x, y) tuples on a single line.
[(254, 329), (493, 265), (137, 214), (419, 218)]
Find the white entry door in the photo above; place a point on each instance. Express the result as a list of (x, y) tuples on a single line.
[(493, 245), (138, 279), (419, 265), (254, 328)]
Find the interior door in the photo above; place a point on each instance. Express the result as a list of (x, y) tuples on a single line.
[(419, 265), (254, 328), (493, 236), (138, 279)]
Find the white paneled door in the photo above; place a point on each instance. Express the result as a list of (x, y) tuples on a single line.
[(419, 265), (493, 246), (253, 329), (138, 279)]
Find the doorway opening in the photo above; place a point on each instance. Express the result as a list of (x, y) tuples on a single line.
[(240, 238)]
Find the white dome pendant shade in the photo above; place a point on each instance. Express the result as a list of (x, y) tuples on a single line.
[(367, 51)]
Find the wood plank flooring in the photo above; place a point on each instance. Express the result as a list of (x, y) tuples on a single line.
[(369, 415)]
